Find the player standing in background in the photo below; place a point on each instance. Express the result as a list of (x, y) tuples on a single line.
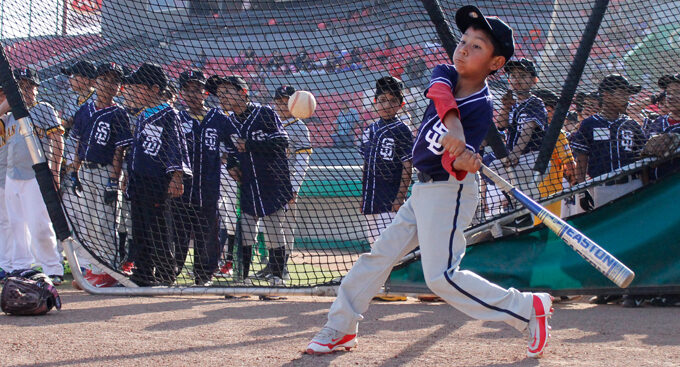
[(562, 170), (526, 122), (7, 248), (156, 168), (261, 167), (299, 153), (195, 213), (609, 140), (27, 213), (587, 104), (661, 123), (101, 131), (386, 148), (442, 204)]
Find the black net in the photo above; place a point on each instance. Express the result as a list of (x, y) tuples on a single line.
[(182, 163)]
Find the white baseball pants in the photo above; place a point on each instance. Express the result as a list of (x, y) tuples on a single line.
[(274, 235), (31, 225), (434, 216)]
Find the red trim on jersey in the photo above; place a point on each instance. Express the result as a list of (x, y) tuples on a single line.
[(672, 122), (443, 99), (447, 163)]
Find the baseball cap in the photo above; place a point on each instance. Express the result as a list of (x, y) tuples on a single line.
[(522, 64), (612, 82), (27, 74), (110, 67), (191, 76), (83, 67), (548, 97), (389, 84), (501, 31), (149, 75), (215, 81), (284, 91), (666, 80)]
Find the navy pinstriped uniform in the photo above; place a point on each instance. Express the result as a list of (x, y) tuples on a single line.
[(609, 145), (158, 150), (657, 126), (669, 167), (195, 213), (100, 132), (532, 109), (265, 177), (385, 146), (476, 114)]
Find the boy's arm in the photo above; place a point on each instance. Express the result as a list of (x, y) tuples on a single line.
[(503, 117), (522, 141), (54, 161), (406, 174)]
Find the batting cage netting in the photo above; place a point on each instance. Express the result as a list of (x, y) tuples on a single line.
[(170, 126)]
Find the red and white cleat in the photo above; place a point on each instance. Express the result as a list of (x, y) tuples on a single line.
[(226, 270), (329, 340), (538, 324), (127, 267)]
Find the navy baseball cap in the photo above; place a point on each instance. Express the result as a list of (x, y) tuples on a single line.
[(111, 67), (666, 80), (191, 76), (499, 30), (83, 68), (215, 81), (389, 84), (27, 74), (284, 91), (613, 82), (521, 64), (149, 75)]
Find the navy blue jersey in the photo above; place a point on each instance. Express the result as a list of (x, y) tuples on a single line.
[(158, 147), (100, 132), (476, 115), (609, 145), (204, 137), (530, 110), (385, 145), (657, 126), (265, 177)]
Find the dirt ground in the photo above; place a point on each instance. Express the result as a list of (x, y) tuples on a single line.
[(212, 331)]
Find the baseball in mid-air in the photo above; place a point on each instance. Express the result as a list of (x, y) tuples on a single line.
[(302, 104)]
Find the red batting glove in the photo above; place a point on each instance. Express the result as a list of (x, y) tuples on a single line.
[(447, 163)]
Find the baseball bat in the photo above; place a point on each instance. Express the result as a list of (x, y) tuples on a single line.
[(598, 257)]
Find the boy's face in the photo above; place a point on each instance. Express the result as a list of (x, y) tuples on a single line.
[(590, 107), (281, 106), (387, 105), (616, 100), (673, 96), (107, 85), (193, 93), (28, 90), (474, 54), (550, 112), (2, 96), (521, 80), (230, 96), (141, 95), (80, 84)]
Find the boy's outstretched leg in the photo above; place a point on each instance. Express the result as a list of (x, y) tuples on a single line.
[(363, 282)]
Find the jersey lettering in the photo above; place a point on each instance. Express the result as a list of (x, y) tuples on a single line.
[(387, 148), (626, 140), (103, 133), (433, 136), (152, 142), (210, 138), (259, 135)]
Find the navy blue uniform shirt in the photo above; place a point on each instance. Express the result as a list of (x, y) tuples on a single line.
[(609, 145), (385, 146), (530, 110), (265, 177), (476, 116), (100, 132), (158, 147), (657, 126), (203, 139)]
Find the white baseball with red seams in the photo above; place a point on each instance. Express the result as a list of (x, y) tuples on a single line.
[(302, 104)]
